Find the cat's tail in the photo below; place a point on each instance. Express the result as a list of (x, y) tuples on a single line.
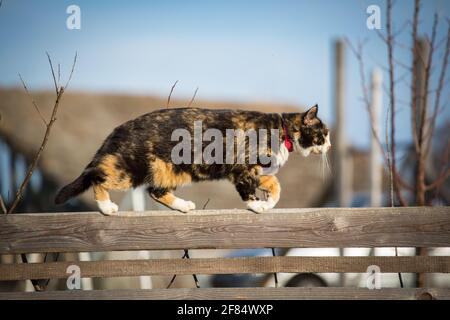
[(79, 185)]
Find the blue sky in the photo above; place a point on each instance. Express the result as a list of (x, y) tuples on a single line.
[(232, 50)]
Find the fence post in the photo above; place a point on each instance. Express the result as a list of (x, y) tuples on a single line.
[(138, 204)]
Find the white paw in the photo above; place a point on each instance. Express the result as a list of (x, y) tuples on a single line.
[(183, 205), (260, 206), (107, 207)]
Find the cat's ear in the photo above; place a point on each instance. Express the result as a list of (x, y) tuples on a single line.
[(310, 117)]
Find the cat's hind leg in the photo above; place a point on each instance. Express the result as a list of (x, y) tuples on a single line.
[(114, 177), (105, 205), (168, 199)]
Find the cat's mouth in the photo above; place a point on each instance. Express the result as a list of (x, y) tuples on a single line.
[(316, 149)]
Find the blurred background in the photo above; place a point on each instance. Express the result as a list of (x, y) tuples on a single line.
[(271, 56)]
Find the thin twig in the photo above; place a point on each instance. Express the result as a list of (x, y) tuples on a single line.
[(2, 205), (186, 253), (358, 52), (206, 203), (275, 275), (32, 100), (193, 97), (170, 94), (71, 71), (415, 54), (359, 56), (391, 95), (171, 281), (444, 173), (53, 72), (59, 73), (439, 181), (49, 125), (390, 49), (391, 183), (34, 282), (422, 138), (437, 99), (37, 156), (400, 30), (400, 278)]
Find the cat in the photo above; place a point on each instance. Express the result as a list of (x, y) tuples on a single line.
[(141, 152)]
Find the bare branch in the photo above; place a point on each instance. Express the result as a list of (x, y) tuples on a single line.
[(400, 30), (389, 165), (71, 71), (381, 36), (444, 172), (53, 72), (358, 52), (390, 48), (403, 65), (32, 100), (437, 98), (170, 94), (59, 92), (37, 156), (59, 73), (415, 52), (439, 181), (422, 139), (193, 97), (206, 204)]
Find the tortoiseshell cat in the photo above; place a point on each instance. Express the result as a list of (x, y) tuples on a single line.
[(139, 152)]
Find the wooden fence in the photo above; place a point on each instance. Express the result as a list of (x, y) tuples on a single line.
[(228, 229)]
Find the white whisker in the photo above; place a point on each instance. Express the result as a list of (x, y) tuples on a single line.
[(327, 161), (323, 166)]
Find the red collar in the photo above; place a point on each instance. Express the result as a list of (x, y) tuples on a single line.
[(287, 141)]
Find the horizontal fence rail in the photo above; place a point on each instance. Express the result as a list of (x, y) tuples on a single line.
[(281, 228), (239, 294), (122, 268)]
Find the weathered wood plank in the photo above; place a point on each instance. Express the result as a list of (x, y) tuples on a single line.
[(282, 228), (120, 268), (237, 294)]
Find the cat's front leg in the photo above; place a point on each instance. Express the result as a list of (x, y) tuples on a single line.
[(246, 184), (269, 184)]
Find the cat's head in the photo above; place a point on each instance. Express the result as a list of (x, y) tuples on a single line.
[(310, 134)]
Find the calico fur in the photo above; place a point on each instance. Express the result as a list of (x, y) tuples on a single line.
[(138, 152)]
